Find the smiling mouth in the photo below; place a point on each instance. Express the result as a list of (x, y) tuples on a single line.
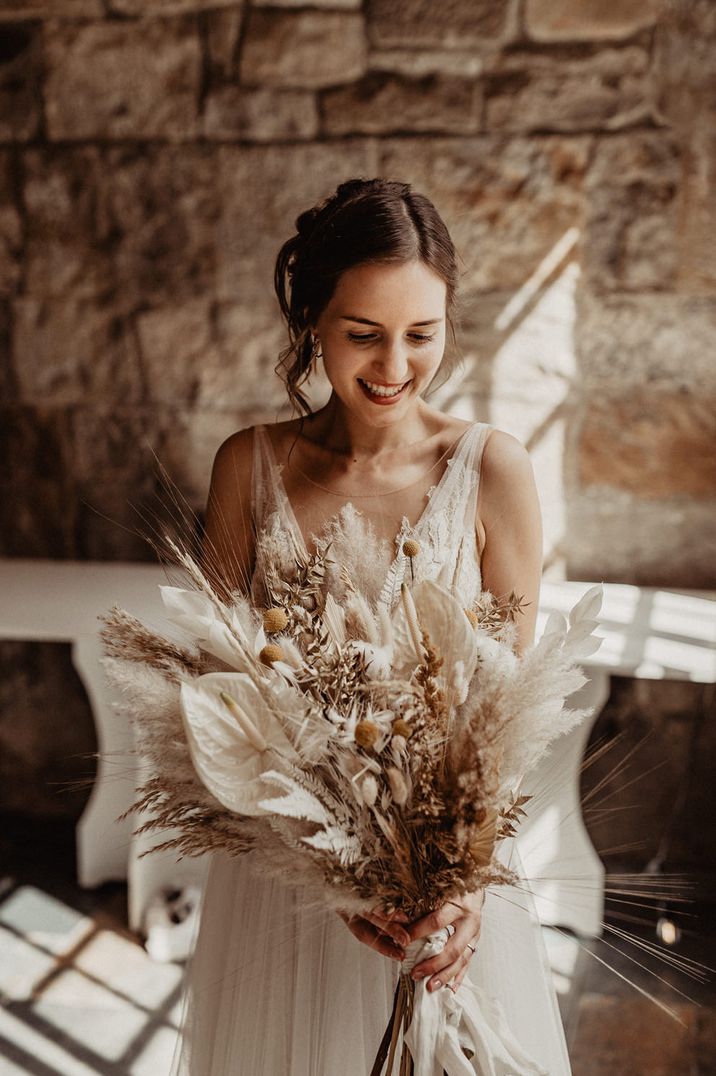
[(375, 391)]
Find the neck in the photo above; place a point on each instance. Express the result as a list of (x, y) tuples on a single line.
[(341, 431)]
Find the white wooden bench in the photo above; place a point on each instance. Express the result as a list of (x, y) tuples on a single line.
[(649, 633)]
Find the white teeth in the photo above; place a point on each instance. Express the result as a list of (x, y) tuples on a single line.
[(381, 390)]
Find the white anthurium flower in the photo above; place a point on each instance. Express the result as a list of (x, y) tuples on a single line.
[(198, 615), (234, 737), (439, 614)]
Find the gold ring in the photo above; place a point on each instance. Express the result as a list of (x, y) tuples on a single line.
[(472, 947)]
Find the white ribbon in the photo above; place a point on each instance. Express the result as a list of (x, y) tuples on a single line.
[(445, 1025)]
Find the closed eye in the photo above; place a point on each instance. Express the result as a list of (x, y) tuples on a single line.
[(364, 338)]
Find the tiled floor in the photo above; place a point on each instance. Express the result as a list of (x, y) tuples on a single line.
[(80, 997)]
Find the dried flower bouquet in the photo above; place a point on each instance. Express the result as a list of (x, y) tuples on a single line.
[(372, 756)]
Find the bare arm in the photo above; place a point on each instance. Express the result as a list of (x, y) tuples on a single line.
[(509, 518), (228, 543)]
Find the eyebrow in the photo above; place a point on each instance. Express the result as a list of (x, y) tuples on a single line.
[(365, 321)]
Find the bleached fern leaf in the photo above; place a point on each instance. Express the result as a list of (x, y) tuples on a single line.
[(299, 803), (335, 840)]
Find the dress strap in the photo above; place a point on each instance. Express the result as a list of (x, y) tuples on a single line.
[(262, 478), (473, 451)]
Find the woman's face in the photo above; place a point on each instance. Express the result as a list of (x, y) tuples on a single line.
[(383, 336)]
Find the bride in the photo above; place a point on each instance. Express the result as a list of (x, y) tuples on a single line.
[(368, 286)]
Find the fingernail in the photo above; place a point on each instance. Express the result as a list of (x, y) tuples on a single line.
[(401, 937), (436, 984)]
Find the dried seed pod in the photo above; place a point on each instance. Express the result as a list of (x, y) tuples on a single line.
[(411, 547), (472, 617), (369, 790), (403, 728), (275, 620), (271, 653), (398, 786), (366, 734)]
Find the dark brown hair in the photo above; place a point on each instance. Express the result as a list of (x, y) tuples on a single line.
[(364, 221)]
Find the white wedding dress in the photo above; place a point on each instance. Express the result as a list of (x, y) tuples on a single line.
[(278, 987)]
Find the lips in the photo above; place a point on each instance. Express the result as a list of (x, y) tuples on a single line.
[(382, 394)]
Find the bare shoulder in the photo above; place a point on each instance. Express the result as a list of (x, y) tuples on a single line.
[(507, 482), (504, 457), (235, 453)]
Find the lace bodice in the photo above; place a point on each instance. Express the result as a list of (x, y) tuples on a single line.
[(445, 530)]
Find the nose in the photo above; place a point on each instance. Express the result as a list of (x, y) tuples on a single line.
[(392, 364)]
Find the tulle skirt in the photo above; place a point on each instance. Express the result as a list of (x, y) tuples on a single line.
[(279, 987)]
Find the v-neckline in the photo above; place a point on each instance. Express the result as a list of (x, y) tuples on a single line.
[(405, 528)]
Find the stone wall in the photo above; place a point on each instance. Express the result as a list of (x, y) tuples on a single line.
[(155, 153)]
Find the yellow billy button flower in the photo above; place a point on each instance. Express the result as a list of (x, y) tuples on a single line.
[(270, 653), (366, 734), (275, 620), (411, 549)]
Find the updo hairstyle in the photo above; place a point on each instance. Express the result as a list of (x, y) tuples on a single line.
[(365, 221)]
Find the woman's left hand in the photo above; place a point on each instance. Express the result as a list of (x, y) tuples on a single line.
[(449, 967)]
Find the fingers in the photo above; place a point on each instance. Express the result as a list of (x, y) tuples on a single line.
[(440, 969), (434, 921), (388, 924), (371, 935)]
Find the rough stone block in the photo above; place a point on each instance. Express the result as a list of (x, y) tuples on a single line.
[(536, 92), (36, 493), (588, 20), (72, 351), (20, 10), (652, 444), (262, 190), (347, 5), (223, 28), (303, 48), (168, 7), (260, 115), (114, 482), (416, 63), (164, 209), (632, 341), (47, 734), (381, 103), (8, 384), (135, 78), (633, 212), (207, 355), (11, 229), (452, 23), (68, 243), (685, 75), (20, 67), (616, 537), (506, 202)]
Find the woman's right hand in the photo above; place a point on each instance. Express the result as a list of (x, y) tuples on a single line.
[(380, 932)]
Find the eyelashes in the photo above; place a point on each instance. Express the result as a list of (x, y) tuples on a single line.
[(369, 338)]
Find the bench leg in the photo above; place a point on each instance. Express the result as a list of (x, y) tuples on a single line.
[(102, 842), (566, 875)]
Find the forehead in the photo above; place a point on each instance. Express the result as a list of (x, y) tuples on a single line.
[(411, 290)]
